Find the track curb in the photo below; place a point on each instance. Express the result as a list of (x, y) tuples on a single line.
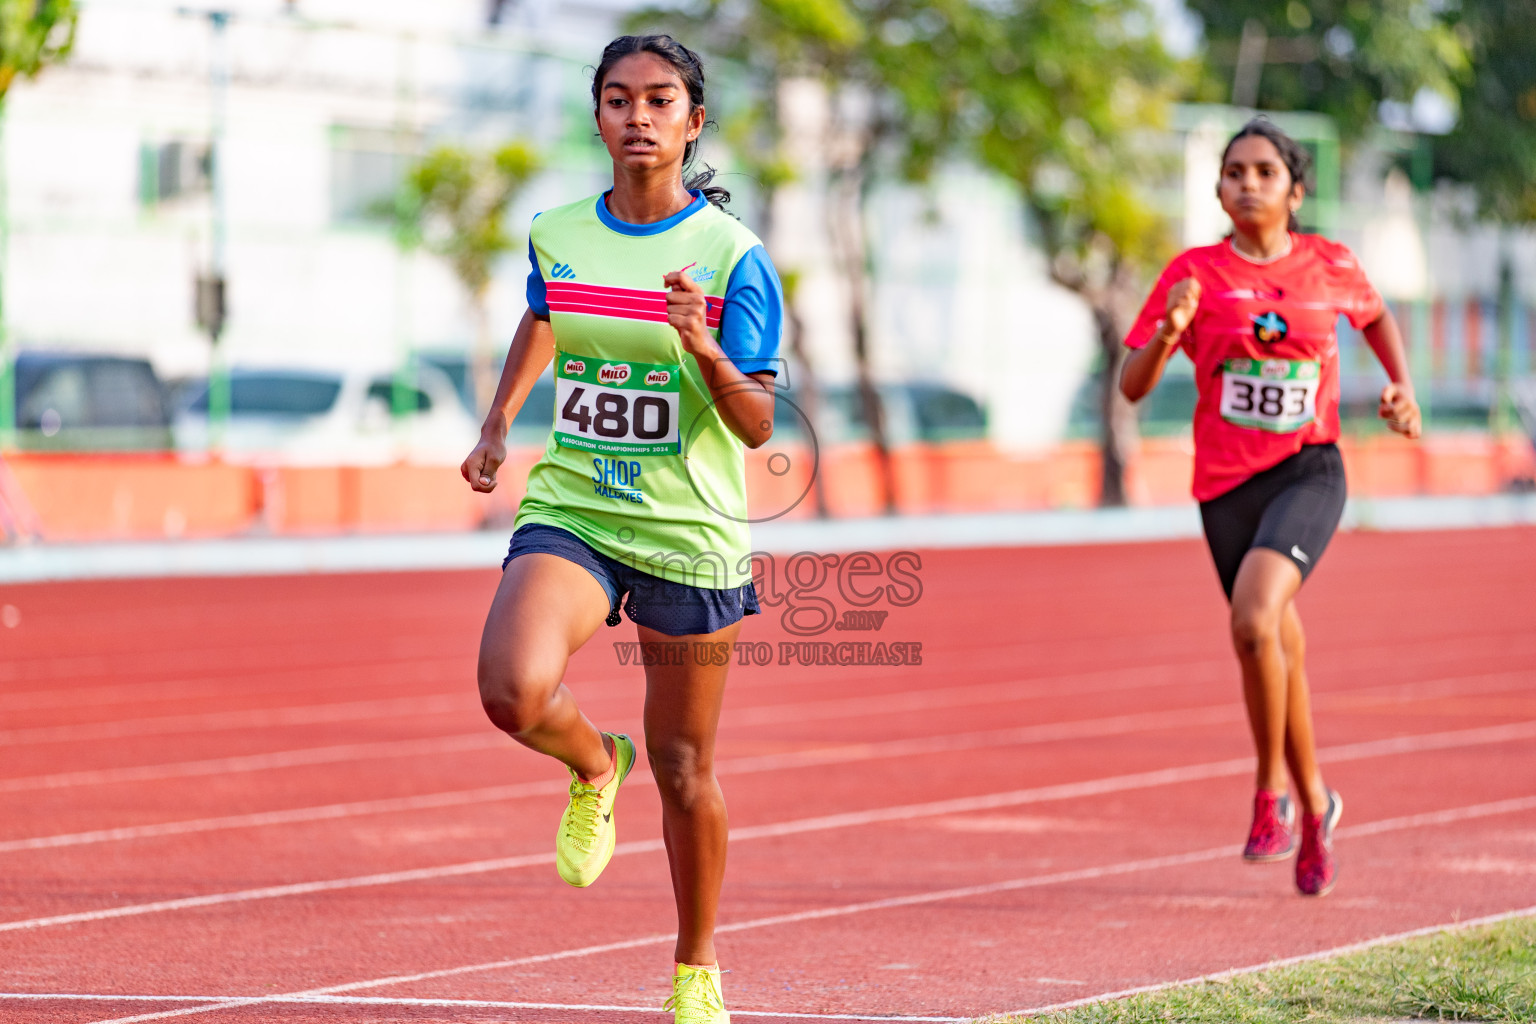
[(262, 556)]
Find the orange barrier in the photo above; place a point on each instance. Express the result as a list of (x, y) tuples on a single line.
[(103, 497)]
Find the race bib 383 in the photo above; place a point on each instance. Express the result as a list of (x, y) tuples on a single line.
[(1278, 395)]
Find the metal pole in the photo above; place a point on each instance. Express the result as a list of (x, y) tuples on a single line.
[(1421, 357), (218, 371), (7, 356), (402, 397), (1505, 353), (1327, 177)]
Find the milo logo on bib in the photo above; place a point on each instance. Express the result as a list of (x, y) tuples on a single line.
[(1277, 395), (617, 408)]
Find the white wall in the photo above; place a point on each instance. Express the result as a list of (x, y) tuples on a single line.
[(91, 267)]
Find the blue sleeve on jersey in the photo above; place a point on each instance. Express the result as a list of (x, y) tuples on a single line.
[(753, 318), (538, 301)]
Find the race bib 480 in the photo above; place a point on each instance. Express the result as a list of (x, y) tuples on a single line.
[(614, 407), (1278, 395)]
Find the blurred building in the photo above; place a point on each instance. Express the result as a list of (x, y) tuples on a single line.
[(107, 156), (112, 218)]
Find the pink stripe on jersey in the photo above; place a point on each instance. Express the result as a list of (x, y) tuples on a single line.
[(621, 303)]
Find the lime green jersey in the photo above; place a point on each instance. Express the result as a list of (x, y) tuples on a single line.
[(639, 463)]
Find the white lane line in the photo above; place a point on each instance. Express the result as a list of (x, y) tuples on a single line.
[(820, 756), (816, 757), (480, 739), (942, 697), (874, 704), (495, 1004), (193, 687), (302, 888), (604, 687), (1303, 958), (254, 718), (851, 819), (291, 816), (848, 909)]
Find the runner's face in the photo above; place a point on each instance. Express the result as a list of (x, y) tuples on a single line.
[(1256, 188), (643, 115)]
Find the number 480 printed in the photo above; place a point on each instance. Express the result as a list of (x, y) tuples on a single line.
[(612, 415)]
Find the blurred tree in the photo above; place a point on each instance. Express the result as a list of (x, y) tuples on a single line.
[(1051, 93), (454, 203), (1493, 146), (892, 101), (1340, 57), (1067, 94), (1344, 57), (771, 43), (33, 34)]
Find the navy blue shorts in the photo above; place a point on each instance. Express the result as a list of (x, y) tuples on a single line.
[(1293, 508), (675, 609)]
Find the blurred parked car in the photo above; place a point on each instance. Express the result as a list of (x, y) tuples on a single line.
[(456, 365), (913, 412), (69, 401), (1451, 405), (1168, 411), (327, 418)]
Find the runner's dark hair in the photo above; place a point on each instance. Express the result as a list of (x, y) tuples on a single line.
[(1297, 160), (691, 70)]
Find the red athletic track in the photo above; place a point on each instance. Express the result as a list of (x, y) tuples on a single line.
[(202, 738)]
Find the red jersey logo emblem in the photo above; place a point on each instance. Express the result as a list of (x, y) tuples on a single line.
[(1269, 327)]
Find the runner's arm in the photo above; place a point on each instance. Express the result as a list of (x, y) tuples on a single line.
[(1398, 406), (1143, 368), (533, 346), (745, 403)]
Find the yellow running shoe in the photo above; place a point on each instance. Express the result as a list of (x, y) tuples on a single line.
[(585, 841), (696, 996)]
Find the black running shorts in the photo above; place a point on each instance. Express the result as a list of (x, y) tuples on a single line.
[(1293, 508), (675, 609)]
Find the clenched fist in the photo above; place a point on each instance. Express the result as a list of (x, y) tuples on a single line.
[(1183, 301), (1401, 410), (481, 466), (686, 307)]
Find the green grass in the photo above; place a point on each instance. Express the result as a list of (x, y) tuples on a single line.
[(1483, 974)]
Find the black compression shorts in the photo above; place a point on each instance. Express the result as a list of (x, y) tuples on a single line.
[(1293, 508)]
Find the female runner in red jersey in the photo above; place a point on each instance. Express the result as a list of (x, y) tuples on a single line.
[(1256, 314)]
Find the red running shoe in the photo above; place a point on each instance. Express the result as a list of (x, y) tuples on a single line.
[(1270, 837), (1315, 868)]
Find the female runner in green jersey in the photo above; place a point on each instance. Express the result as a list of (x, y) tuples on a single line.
[(662, 315)]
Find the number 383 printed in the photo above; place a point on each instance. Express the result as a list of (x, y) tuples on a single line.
[(1278, 395)]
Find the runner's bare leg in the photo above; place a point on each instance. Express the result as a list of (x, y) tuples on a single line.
[(1300, 746), (1266, 583), (682, 713), (545, 608)]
